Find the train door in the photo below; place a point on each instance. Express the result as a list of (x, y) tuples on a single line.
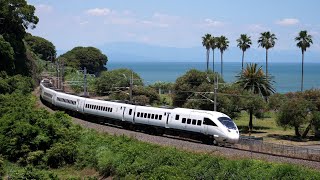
[(205, 126), (123, 111), (80, 105), (167, 120)]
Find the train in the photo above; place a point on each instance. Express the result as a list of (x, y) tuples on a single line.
[(213, 126)]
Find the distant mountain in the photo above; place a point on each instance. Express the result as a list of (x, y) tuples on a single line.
[(129, 51)]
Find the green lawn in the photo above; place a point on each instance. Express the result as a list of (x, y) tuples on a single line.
[(269, 130)]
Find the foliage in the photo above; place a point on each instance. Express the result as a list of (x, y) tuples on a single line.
[(30, 136), (294, 114), (76, 80), (253, 79), (304, 40), (116, 79), (277, 100), (42, 47), (141, 100), (7, 56), (89, 57), (162, 87), (193, 81), (148, 92), (1, 167), (244, 43), (16, 16), (126, 158), (17, 83), (206, 43)]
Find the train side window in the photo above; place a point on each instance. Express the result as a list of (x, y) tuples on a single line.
[(130, 111), (156, 117), (138, 114), (145, 115), (199, 123), (110, 109), (208, 122), (160, 117), (188, 121), (152, 116), (194, 122), (184, 120), (177, 117), (149, 116)]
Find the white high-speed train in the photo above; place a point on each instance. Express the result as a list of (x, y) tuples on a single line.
[(215, 126)]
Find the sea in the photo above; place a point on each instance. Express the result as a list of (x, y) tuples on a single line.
[(286, 76)]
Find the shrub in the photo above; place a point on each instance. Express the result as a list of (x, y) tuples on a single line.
[(1, 167)]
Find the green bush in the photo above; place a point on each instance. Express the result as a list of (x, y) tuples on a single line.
[(1, 167)]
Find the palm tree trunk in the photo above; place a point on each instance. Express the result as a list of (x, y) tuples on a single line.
[(221, 56), (302, 71), (267, 64), (242, 59), (208, 59), (213, 60)]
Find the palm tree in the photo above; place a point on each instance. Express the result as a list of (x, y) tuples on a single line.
[(213, 45), (267, 41), (304, 42), (244, 43), (222, 44), (206, 43), (254, 80)]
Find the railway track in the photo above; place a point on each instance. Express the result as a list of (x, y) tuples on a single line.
[(231, 152)]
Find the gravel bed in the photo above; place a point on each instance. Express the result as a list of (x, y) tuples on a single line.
[(190, 145)]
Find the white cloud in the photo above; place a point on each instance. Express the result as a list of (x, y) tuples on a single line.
[(287, 22), (84, 22), (213, 23), (44, 8), (257, 28), (98, 11)]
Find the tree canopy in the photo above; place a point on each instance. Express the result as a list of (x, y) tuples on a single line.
[(89, 57), (42, 47), (16, 16)]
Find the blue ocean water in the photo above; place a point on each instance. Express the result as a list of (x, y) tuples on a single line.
[(287, 76)]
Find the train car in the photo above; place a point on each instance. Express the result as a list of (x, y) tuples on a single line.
[(215, 125)]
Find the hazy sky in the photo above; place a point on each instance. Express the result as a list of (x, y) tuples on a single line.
[(177, 23)]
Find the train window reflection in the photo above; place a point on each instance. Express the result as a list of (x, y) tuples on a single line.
[(227, 122), (208, 122)]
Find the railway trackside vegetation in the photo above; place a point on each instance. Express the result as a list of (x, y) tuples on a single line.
[(40, 142)]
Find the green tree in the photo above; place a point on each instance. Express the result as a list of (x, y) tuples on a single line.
[(244, 43), (294, 114), (253, 79), (254, 104), (116, 80), (267, 40), (89, 57), (213, 45), (304, 41), (191, 82), (42, 47), (6, 56), (275, 101), (206, 43), (17, 16), (222, 44)]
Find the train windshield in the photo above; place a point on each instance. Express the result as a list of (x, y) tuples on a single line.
[(227, 122)]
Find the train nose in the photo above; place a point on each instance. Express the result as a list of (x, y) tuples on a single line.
[(233, 137)]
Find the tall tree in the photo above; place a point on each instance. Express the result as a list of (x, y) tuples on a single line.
[(42, 47), (244, 43), (15, 17), (253, 80), (206, 43), (267, 40), (213, 45), (222, 44), (304, 41)]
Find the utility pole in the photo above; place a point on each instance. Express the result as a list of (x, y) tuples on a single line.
[(62, 74), (131, 85), (57, 77), (85, 82), (216, 83)]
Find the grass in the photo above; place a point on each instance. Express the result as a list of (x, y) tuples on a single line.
[(268, 129)]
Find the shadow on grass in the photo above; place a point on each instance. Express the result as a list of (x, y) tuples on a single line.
[(256, 129)]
